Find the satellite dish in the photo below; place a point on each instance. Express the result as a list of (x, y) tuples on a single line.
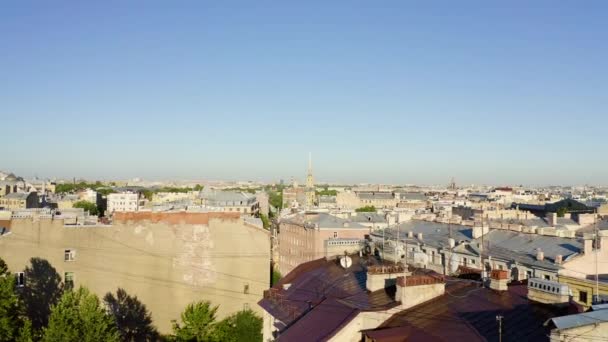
[(346, 262)]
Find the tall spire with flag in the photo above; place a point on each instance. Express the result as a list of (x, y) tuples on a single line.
[(310, 184)]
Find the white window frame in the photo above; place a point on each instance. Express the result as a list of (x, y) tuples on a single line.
[(69, 255), (20, 279)]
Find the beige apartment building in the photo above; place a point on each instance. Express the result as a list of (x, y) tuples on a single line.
[(167, 260), (19, 200), (304, 237)]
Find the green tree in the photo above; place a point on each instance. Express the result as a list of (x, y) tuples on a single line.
[(198, 320), (265, 221), (198, 187), (4, 269), (275, 198), (561, 212), (132, 318), (243, 326), (79, 316), (366, 209), (276, 276), (87, 206), (10, 309)]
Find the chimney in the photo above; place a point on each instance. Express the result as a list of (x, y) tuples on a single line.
[(558, 259), (499, 280), (540, 256), (588, 246), (552, 218), (419, 236), (410, 235), (452, 242), (383, 276), (417, 289), (603, 237), (476, 232)]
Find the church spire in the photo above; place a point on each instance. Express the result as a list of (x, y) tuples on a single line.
[(310, 184)]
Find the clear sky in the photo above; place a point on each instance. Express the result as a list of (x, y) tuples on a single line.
[(495, 92)]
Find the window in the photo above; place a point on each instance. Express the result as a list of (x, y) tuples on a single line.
[(68, 280), (528, 274), (473, 261), (20, 279), (335, 235), (582, 296), (69, 255), (246, 289), (500, 267), (547, 277)]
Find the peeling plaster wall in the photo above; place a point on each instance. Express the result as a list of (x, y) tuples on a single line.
[(167, 260)]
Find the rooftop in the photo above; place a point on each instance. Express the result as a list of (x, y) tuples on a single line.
[(320, 296), (321, 220), (17, 195), (467, 312), (523, 247), (433, 233)]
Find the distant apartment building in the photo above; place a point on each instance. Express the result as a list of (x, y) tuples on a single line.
[(19, 200), (168, 260), (229, 201), (123, 202), (302, 237), (170, 197)]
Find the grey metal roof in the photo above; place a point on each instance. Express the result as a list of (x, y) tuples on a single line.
[(368, 217), (582, 319), (375, 195), (412, 196), (322, 220), (17, 195), (529, 243), (433, 233)]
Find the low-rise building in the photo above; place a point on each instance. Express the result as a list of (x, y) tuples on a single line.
[(229, 201), (302, 237), (19, 200), (123, 202), (167, 260)]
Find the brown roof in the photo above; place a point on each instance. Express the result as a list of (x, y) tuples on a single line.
[(467, 312), (322, 297)]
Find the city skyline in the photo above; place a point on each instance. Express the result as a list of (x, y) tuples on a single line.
[(485, 93)]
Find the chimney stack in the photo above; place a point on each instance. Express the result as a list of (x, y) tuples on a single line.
[(452, 242), (477, 232), (540, 256), (499, 280), (588, 246), (419, 236), (410, 235), (552, 218), (558, 259)]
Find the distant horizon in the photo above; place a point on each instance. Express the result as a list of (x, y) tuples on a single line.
[(288, 181), (390, 92)]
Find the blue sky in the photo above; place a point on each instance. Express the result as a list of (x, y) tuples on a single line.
[(379, 91)]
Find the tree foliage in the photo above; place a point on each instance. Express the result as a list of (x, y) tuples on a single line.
[(87, 206), (79, 317), (198, 320), (275, 198), (265, 221), (327, 192), (366, 209), (10, 309), (561, 212), (243, 326), (132, 318), (276, 276), (43, 289)]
